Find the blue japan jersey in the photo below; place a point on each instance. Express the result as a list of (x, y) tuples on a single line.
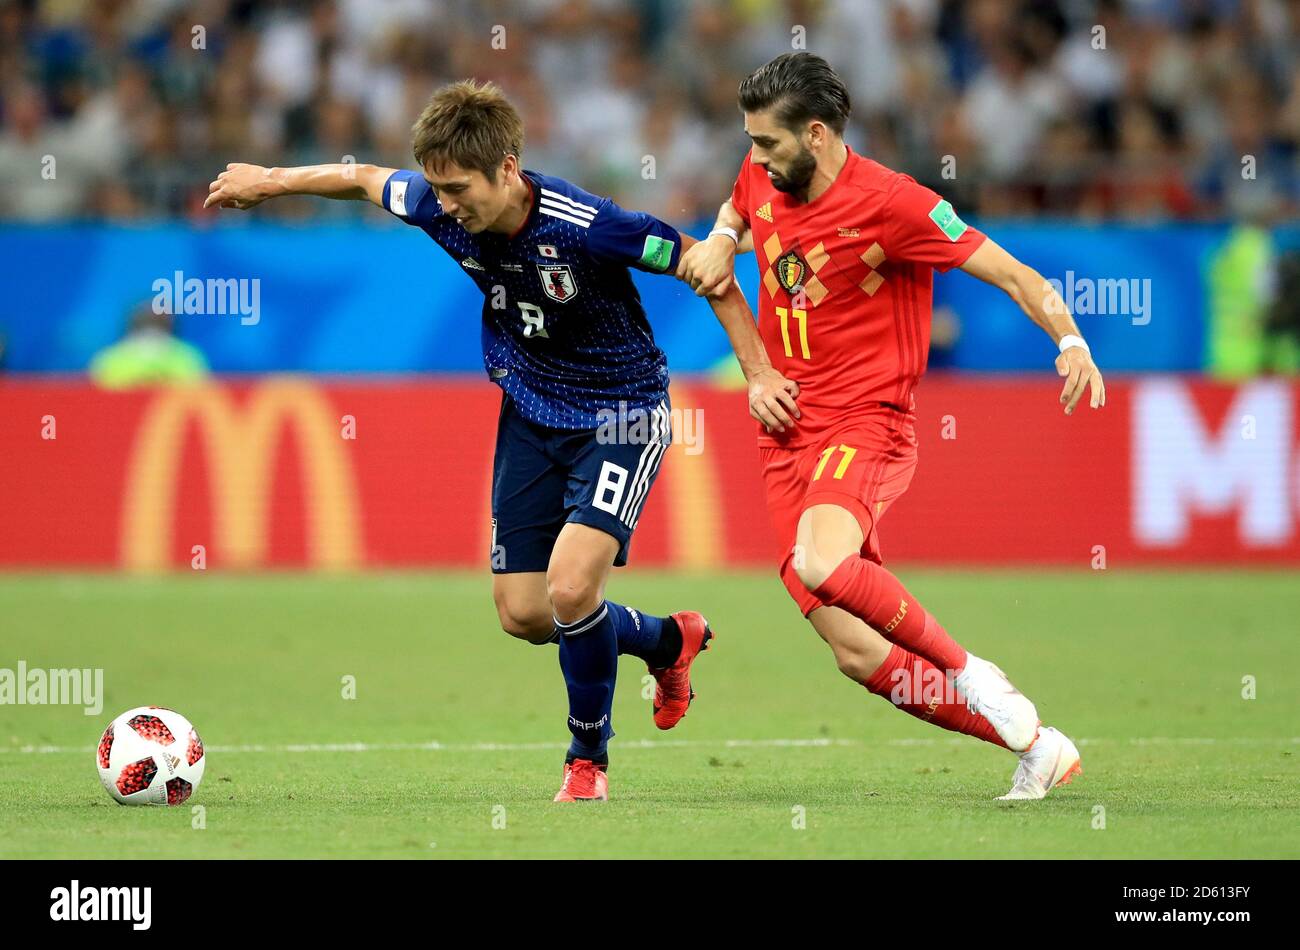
[(564, 332)]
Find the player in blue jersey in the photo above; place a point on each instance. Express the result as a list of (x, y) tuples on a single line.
[(585, 418)]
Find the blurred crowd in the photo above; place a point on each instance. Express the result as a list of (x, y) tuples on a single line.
[(1120, 109)]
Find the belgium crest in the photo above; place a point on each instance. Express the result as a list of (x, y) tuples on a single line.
[(790, 270)]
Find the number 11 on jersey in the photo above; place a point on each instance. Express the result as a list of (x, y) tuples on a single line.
[(846, 456), (802, 317)]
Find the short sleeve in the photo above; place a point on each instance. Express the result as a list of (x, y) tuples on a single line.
[(408, 195), (924, 228), (740, 192), (633, 239)]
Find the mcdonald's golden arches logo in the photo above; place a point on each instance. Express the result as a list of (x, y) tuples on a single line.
[(239, 447)]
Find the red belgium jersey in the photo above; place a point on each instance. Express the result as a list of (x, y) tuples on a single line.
[(845, 286)]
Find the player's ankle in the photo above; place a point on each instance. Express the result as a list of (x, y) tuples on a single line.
[(669, 648)]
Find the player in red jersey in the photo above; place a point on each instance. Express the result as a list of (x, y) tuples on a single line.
[(846, 253)]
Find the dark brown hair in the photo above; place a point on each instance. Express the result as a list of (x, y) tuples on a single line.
[(799, 87), (471, 124)]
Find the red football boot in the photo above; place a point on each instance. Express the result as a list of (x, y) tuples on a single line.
[(584, 781), (673, 693)]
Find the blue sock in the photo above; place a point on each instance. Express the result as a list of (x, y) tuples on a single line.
[(654, 639), (657, 640), (638, 633), (589, 661)]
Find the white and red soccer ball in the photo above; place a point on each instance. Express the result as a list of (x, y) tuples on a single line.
[(150, 756)]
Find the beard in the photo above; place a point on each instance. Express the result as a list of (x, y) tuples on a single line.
[(799, 175)]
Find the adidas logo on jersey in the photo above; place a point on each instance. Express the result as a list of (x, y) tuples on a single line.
[(765, 212), (471, 264)]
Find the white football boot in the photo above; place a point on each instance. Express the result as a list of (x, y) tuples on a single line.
[(989, 693), (1051, 761)]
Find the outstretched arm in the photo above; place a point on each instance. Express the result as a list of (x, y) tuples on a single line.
[(1042, 304), (245, 186)]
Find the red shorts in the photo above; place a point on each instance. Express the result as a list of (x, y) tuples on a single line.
[(863, 466)]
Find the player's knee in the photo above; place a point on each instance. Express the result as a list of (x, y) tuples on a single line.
[(810, 567), (855, 666), (572, 596), (525, 621), (812, 576), (538, 629), (534, 629)]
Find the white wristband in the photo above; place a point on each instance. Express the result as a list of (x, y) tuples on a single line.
[(1070, 340), (729, 232)]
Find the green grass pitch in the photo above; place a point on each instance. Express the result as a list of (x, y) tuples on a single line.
[(452, 747)]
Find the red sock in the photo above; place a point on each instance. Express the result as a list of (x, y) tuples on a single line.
[(920, 689), (878, 598)]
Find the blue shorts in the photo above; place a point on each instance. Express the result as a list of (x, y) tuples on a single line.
[(543, 478)]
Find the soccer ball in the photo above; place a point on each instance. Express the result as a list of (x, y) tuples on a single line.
[(150, 756)]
